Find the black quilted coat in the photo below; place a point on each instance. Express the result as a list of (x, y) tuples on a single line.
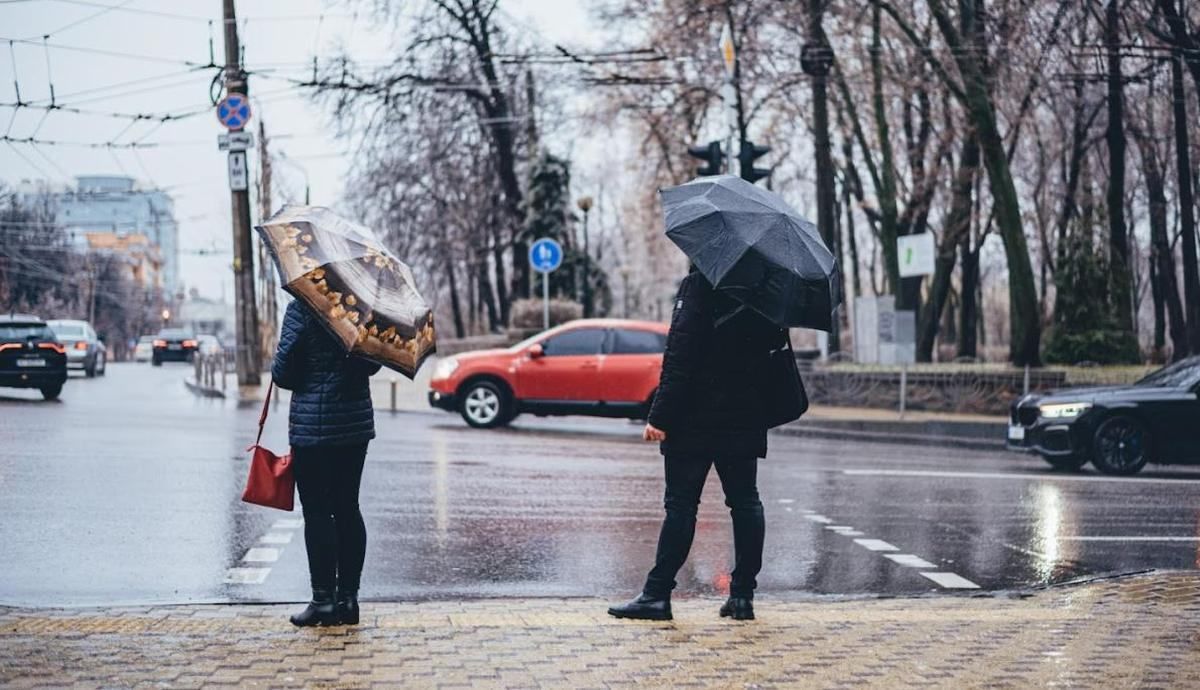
[(710, 397), (331, 394)]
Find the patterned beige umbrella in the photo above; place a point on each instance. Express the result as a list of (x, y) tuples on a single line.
[(365, 295)]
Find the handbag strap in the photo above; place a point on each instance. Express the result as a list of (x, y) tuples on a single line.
[(262, 418)]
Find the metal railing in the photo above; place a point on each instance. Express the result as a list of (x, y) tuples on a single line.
[(211, 369)]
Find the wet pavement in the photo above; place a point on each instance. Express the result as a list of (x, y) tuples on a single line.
[(127, 491)]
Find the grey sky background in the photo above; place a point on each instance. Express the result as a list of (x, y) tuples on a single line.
[(276, 34)]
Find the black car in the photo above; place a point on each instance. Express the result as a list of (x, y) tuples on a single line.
[(1118, 428), (174, 344), (31, 356)]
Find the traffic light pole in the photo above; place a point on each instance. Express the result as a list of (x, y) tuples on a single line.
[(249, 362)]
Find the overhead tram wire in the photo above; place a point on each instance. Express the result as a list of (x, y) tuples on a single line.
[(106, 10), (112, 53)]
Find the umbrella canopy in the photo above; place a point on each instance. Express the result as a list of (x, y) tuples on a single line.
[(364, 295), (754, 247)]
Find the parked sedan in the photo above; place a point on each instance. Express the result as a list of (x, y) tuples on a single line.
[(174, 344), (144, 349), (597, 367), (1118, 428), (85, 350), (30, 356)]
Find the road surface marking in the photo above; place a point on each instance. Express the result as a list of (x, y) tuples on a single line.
[(909, 560), (261, 555), (786, 500), (875, 545), (277, 538), (1133, 538), (839, 528), (1015, 475), (288, 523), (247, 576), (949, 580), (819, 518)]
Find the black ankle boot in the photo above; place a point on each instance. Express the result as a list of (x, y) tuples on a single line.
[(322, 610), (738, 608), (347, 607), (645, 608)]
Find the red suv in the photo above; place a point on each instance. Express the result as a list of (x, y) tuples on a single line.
[(597, 367)]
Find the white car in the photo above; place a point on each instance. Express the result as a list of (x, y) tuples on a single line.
[(144, 350), (85, 350)]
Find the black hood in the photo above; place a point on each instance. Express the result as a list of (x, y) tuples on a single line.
[(1105, 394)]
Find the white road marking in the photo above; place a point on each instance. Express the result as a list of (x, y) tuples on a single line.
[(839, 528), (819, 518), (875, 545), (261, 555), (786, 500), (949, 580), (1133, 538), (277, 538), (1013, 475), (909, 560), (247, 576), (288, 523)]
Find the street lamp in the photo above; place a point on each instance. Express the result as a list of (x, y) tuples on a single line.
[(166, 316), (585, 204)]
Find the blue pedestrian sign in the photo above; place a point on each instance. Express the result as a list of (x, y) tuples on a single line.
[(234, 111), (545, 255)]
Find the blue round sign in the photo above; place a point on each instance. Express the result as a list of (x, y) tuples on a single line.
[(234, 111), (545, 255)]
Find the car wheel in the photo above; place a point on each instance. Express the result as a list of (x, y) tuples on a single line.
[(1070, 463), (103, 365), (52, 392), (156, 362), (1121, 446), (89, 370), (485, 405)]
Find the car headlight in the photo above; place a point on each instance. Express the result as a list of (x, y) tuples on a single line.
[(445, 368), (1064, 410)]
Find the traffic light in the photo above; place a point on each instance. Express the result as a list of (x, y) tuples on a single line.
[(746, 157), (712, 156)]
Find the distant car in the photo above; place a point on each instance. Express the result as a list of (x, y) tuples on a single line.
[(1118, 428), (31, 356), (596, 367), (85, 350), (174, 344), (144, 349)]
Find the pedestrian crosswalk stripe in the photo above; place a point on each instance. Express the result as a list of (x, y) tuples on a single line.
[(277, 538), (875, 545), (247, 576), (261, 555), (288, 523), (909, 560), (950, 580)]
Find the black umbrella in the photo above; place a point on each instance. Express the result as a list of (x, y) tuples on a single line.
[(754, 247)]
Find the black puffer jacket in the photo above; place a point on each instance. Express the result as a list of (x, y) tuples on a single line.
[(331, 394), (710, 398)]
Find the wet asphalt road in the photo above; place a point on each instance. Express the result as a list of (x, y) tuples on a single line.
[(127, 491)]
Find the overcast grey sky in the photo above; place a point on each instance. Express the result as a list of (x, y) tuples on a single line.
[(275, 33)]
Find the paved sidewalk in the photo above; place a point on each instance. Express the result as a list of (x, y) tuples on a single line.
[(1138, 631)]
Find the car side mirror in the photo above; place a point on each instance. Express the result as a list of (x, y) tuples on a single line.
[(536, 351)]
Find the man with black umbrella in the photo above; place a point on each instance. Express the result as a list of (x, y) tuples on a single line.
[(728, 372)]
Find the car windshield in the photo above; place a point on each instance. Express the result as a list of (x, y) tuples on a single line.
[(146, 340), (1182, 374), (68, 330), (21, 331), (175, 334)]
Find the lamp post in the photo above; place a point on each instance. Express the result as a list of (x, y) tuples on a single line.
[(166, 317), (585, 205)]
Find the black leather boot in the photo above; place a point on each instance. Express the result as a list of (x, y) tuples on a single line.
[(347, 607), (645, 607), (738, 608), (322, 610)]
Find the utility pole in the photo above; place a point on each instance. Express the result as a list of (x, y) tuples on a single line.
[(816, 60), (249, 362), (585, 205), (266, 273)]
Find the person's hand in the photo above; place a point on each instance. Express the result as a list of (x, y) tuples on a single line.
[(653, 433)]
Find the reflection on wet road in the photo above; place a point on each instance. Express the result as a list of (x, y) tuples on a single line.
[(127, 491)]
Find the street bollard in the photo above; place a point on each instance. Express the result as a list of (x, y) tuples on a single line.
[(1025, 387), (903, 389), (394, 384)]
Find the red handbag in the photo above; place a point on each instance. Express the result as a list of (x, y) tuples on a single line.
[(271, 482)]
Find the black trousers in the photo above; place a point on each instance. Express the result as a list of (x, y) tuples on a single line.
[(685, 482), (335, 537)]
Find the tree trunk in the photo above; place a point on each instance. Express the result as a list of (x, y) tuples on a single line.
[(486, 296), (1162, 259), (968, 331), (826, 194), (1121, 283), (958, 226), (1187, 208), (886, 188), (1024, 320), (455, 303)]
